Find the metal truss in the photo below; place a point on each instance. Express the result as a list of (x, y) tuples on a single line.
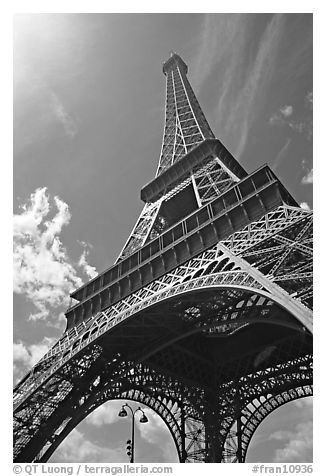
[(185, 123), (258, 399), (214, 267), (242, 404), (138, 385), (142, 229), (185, 127), (209, 180), (183, 342), (261, 407), (232, 309)]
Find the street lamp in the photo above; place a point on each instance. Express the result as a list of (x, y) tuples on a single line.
[(143, 419)]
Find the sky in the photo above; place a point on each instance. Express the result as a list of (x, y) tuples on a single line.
[(89, 97)]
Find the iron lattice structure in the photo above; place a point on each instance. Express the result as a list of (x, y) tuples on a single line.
[(206, 316)]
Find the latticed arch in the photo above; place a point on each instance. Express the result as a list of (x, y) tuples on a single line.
[(269, 405), (245, 294), (248, 307), (252, 417), (164, 409), (171, 410)]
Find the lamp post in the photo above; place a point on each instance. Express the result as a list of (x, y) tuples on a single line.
[(143, 419)]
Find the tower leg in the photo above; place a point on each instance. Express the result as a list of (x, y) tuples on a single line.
[(214, 445)]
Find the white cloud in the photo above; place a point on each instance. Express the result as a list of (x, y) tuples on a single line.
[(26, 356), (286, 111), (308, 178), (62, 115), (76, 448), (242, 81), (309, 99), (30, 355), (305, 403), (298, 126), (285, 429), (154, 432), (305, 206), (20, 353), (105, 414), (281, 118), (241, 87), (236, 111), (297, 444), (86, 267), (42, 271), (157, 433), (276, 119), (282, 153), (219, 34)]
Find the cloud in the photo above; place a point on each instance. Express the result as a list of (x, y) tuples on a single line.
[(309, 99), (76, 448), (279, 117), (308, 178), (305, 206), (302, 126), (272, 440), (26, 356), (244, 109), (297, 444), (276, 119), (62, 115), (86, 267), (152, 431), (157, 433), (243, 86), (30, 355), (281, 155), (304, 403), (105, 414), (219, 34), (286, 111), (42, 271)]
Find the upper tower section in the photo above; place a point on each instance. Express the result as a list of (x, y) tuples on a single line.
[(185, 123), (172, 62)]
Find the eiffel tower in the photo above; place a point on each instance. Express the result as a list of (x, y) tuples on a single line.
[(205, 317)]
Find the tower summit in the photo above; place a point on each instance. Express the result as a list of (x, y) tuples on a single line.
[(174, 62), (206, 316), (185, 123)]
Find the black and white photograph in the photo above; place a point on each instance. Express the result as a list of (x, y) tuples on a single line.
[(162, 239)]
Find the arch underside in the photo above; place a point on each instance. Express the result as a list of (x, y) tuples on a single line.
[(252, 401), (236, 446), (180, 372)]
